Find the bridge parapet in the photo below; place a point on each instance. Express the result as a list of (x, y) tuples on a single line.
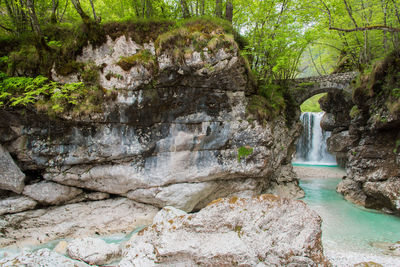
[(304, 88)]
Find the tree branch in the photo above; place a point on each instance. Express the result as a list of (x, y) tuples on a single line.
[(367, 28), (5, 28)]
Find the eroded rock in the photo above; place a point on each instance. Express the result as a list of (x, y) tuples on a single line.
[(74, 220), (93, 251), (42, 257), (266, 230), (50, 193), (11, 177), (16, 204)]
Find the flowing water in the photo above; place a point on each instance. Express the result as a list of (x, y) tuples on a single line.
[(345, 225), (311, 148), (348, 228)]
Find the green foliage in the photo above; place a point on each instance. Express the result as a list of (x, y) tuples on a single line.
[(244, 152), (311, 104), (43, 93)]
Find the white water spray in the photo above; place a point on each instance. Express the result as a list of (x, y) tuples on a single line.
[(311, 148)]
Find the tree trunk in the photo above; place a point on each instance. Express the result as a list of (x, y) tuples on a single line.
[(34, 20), (149, 9), (53, 18), (185, 9), (229, 11), (41, 42), (96, 19), (218, 8), (85, 18), (202, 7)]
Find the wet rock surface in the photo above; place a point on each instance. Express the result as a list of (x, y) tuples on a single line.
[(262, 231)]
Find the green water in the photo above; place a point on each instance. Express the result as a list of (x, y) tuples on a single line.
[(346, 225)]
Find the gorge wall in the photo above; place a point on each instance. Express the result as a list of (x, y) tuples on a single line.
[(366, 137), (171, 132)]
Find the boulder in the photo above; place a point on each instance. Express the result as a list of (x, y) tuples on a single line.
[(16, 204), (103, 217), (42, 257), (183, 196), (49, 193), (340, 142), (61, 247), (383, 194), (11, 177), (93, 251), (352, 191), (259, 231), (328, 122)]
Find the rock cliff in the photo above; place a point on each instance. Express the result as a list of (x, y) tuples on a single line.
[(367, 137), (172, 129)]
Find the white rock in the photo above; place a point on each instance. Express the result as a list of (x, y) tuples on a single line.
[(16, 204), (43, 258), (104, 217), (50, 193), (184, 196), (262, 231), (93, 251), (61, 247), (11, 177)]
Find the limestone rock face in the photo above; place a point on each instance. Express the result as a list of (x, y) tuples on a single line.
[(74, 220), (42, 257), (170, 138), (93, 251), (340, 142), (11, 177), (261, 231), (50, 193), (16, 204), (368, 143)]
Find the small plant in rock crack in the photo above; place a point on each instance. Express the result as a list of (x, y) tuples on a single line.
[(244, 152)]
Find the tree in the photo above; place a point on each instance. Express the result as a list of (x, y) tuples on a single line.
[(229, 11), (185, 9), (218, 8)]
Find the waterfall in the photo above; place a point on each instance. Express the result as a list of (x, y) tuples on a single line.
[(311, 148)]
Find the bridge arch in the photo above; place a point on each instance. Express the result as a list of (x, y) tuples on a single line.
[(304, 88)]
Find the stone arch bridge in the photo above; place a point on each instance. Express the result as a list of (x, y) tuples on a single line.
[(303, 88)]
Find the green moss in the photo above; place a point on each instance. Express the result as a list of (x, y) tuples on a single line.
[(306, 85), (70, 67), (91, 74), (396, 147), (143, 57), (244, 152), (199, 34), (354, 112)]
